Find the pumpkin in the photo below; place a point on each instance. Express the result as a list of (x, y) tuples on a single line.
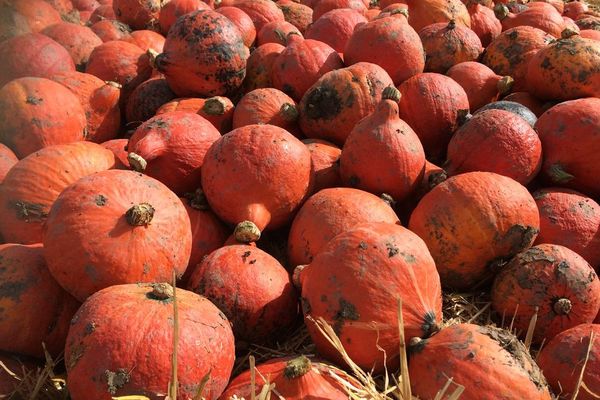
[(480, 358), (509, 54), (296, 378), (324, 6), (559, 5), (35, 309), (105, 357), (267, 106), (328, 213), (78, 40), (301, 64), (332, 107), (484, 23), (591, 22), (432, 176), (174, 9), (447, 44), (216, 110), (335, 27), (565, 70), (7, 161), (81, 244), (32, 55), (261, 12), (443, 101), (544, 17), (36, 13), (511, 106), (297, 14), (100, 101), (569, 132), (564, 358), (534, 104), (552, 280), (276, 32), (147, 40), (590, 34), (109, 30), (136, 13), (146, 99), (171, 148), (472, 223), (481, 84), (390, 43), (383, 154), (119, 149), (325, 159), (427, 12), (33, 184), (260, 66), (12, 23), (214, 65), (242, 21), (251, 288), (37, 113), (575, 8), (343, 286), (85, 5), (266, 193), (101, 13)]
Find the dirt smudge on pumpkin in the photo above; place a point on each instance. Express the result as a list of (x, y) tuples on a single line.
[(116, 380), (30, 212), (76, 354), (323, 102), (101, 200), (346, 312), (12, 290)]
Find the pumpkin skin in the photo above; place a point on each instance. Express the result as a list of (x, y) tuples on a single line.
[(137, 13), (141, 252), (35, 308), (564, 356), (216, 110), (494, 356), (360, 307), (330, 212), (297, 14), (174, 9), (484, 23), (7, 160), (569, 133), (427, 12), (511, 106), (173, 146), (502, 217), (510, 53), (543, 16), (100, 101), (571, 219), (325, 159), (33, 55), (37, 113), (251, 288), (496, 141), (565, 70), (301, 64), (481, 84), (260, 66), (33, 184), (575, 8), (78, 40), (447, 44), (147, 40), (276, 32), (555, 280), (332, 107), (37, 13), (12, 23), (590, 34), (444, 102), (323, 6), (102, 348), (261, 12), (390, 43), (146, 99), (214, 66), (109, 30), (267, 106), (242, 21), (119, 149), (101, 13), (335, 27), (432, 176), (526, 99), (266, 194)]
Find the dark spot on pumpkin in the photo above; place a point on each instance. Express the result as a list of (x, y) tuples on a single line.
[(34, 100), (101, 200), (76, 354), (90, 327), (561, 270), (146, 269), (306, 308), (354, 181), (12, 290), (246, 255), (323, 103), (30, 212), (546, 63), (409, 258), (392, 249), (346, 312), (116, 380), (362, 245), (252, 262), (430, 325), (37, 122)]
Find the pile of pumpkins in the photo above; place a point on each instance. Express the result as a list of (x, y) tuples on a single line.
[(300, 162)]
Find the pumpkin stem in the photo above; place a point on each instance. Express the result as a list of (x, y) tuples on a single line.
[(402, 11), (289, 112), (436, 178), (451, 24), (137, 162), (297, 276), (297, 367), (213, 106), (568, 32), (388, 199), (558, 174), (197, 200), (114, 84), (140, 214), (391, 93), (505, 85), (152, 56), (501, 11), (562, 306), (246, 232), (463, 116), (162, 291)]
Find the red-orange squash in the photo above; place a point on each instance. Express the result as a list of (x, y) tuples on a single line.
[(543, 16), (297, 14), (537, 106), (260, 66), (575, 8), (78, 40), (427, 12), (105, 357), (343, 286), (242, 21), (34, 308), (480, 358), (321, 7), (261, 12), (552, 280), (472, 222), (38, 14), (101, 13), (484, 23), (7, 160), (216, 62), (146, 99), (37, 113), (444, 102), (139, 14), (147, 40), (590, 34), (559, 5), (328, 213), (119, 149), (276, 32), (217, 110), (13, 23), (108, 30), (174, 9), (432, 176), (447, 44), (335, 27), (267, 106), (588, 22), (569, 134), (325, 159), (116, 227), (33, 184), (564, 357), (390, 43)]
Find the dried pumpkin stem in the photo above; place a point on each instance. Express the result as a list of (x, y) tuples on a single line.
[(558, 174), (297, 367), (562, 306), (140, 214), (505, 85), (197, 200), (391, 93), (246, 232), (289, 112), (137, 162), (214, 106), (162, 291), (297, 275)]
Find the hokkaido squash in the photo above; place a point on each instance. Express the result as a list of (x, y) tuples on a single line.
[(217, 110), (543, 16), (267, 106), (78, 40), (174, 9), (12, 23), (325, 159), (575, 8), (276, 32), (484, 23), (335, 27), (590, 34), (138, 14), (147, 40), (323, 6), (242, 21), (427, 12), (297, 14), (38, 14), (101, 13), (146, 99), (119, 149), (511, 106), (535, 105), (260, 66), (261, 12), (116, 227), (109, 30), (7, 161)]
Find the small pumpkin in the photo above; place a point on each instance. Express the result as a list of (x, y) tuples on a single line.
[(325, 159), (276, 32), (174, 9), (511, 106), (136, 13), (534, 104), (146, 99), (119, 149), (12, 22), (37, 14), (101, 13), (78, 40), (242, 21), (543, 16), (7, 160), (217, 110), (335, 27), (323, 6), (297, 14), (267, 106), (484, 23), (559, 5), (575, 8), (147, 40), (261, 12), (260, 67), (109, 30), (427, 12)]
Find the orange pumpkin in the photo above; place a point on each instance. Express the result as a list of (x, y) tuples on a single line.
[(590, 34), (147, 40), (543, 16), (261, 12), (35, 308), (529, 101), (276, 32), (109, 30), (260, 66), (146, 99), (78, 40), (575, 8), (427, 12), (267, 106), (242, 21), (13, 23), (7, 161), (323, 6), (36, 14), (474, 221), (335, 27), (484, 23), (99, 234), (137, 13), (325, 159), (216, 110), (432, 176), (559, 5), (328, 213), (481, 84), (101, 13), (297, 14), (343, 285), (174, 9), (119, 149)]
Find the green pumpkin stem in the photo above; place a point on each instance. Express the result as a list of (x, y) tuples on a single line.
[(559, 175)]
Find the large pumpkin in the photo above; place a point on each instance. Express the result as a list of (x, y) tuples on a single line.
[(325, 159), (427, 12), (276, 32), (344, 286), (474, 222), (147, 40), (23, 16), (261, 12), (544, 17), (145, 100), (204, 54), (109, 30), (116, 227), (297, 14), (136, 13), (7, 160), (217, 110), (174, 9), (119, 149), (78, 40), (121, 343), (36, 113), (335, 27), (267, 106), (484, 23), (242, 21), (260, 66), (34, 309), (321, 7)]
